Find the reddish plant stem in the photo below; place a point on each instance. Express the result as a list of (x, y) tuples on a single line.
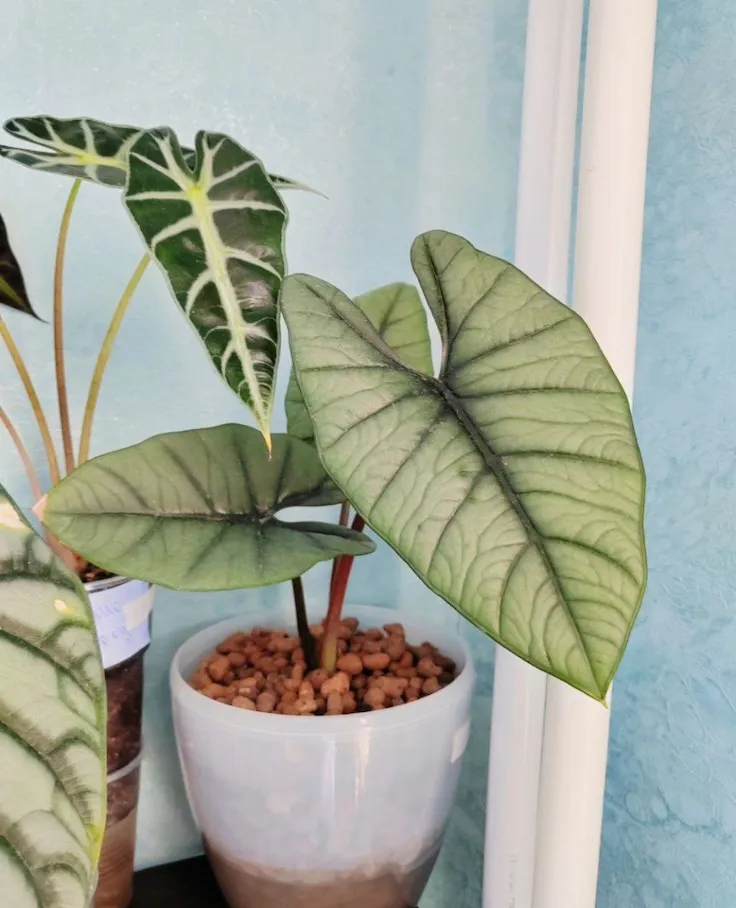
[(341, 575), (343, 522), (302, 623)]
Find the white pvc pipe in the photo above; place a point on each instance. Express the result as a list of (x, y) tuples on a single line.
[(544, 209), (613, 160)]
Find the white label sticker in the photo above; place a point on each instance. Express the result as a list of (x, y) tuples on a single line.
[(123, 620), (137, 612)]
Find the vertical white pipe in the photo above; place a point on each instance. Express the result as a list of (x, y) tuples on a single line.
[(544, 209), (613, 160)]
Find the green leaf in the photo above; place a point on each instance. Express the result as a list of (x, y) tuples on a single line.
[(298, 421), (88, 149), (198, 510), (83, 148), (52, 726), (12, 286), (397, 314), (218, 234), (512, 485)]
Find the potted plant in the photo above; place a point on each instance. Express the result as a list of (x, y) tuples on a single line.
[(52, 724), (243, 193), (510, 481)]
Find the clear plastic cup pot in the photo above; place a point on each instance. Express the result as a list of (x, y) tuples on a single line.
[(122, 613)]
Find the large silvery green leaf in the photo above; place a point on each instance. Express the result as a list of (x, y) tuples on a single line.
[(512, 484), (52, 727), (12, 286), (217, 231), (198, 510), (87, 149), (397, 314)]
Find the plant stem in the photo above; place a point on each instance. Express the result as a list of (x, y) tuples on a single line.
[(341, 575), (35, 402), (66, 429), (24, 456), (302, 623), (343, 522), (104, 357)]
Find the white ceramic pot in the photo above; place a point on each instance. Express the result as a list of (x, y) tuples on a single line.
[(326, 811)]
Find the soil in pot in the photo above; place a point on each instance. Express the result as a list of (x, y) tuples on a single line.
[(266, 670), (115, 886), (124, 708)]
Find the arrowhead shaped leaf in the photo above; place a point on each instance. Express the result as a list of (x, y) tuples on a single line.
[(52, 726), (397, 314), (218, 233), (87, 149), (198, 510), (83, 148), (12, 286), (513, 484)]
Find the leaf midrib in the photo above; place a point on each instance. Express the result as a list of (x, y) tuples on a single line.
[(217, 262), (495, 464)]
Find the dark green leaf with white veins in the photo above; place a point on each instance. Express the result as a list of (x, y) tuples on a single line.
[(12, 286), (82, 147), (52, 727), (397, 314), (513, 484), (87, 149), (217, 232), (198, 510)]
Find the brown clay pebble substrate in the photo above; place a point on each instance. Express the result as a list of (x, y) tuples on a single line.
[(265, 670)]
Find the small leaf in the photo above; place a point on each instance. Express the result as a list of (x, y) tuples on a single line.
[(217, 232), (52, 726), (512, 485), (12, 286), (198, 510), (397, 314)]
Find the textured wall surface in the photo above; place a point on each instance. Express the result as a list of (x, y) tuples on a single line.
[(406, 115), (671, 801)]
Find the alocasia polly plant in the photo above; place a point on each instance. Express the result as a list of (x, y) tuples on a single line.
[(52, 726), (217, 230), (86, 149), (212, 218)]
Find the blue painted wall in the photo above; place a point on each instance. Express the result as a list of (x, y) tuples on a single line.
[(670, 815), (406, 115)]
